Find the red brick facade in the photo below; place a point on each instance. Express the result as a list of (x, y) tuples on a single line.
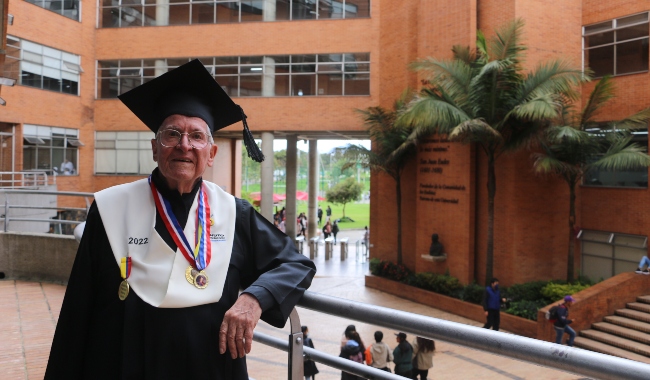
[(531, 236)]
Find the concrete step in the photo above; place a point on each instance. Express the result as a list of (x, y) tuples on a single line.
[(644, 307), (623, 343), (643, 299), (622, 332), (629, 323), (634, 314), (593, 345)]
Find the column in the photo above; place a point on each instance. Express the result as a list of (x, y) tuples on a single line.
[(266, 187), (162, 12), (268, 80), (292, 174), (312, 208), (269, 10)]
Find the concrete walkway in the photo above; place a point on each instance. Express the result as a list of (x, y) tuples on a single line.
[(29, 311)]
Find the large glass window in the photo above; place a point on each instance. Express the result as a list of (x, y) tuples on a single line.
[(125, 13), (635, 177), (67, 8), (618, 46), (606, 254), (43, 67), (123, 153), (284, 75), (51, 149)]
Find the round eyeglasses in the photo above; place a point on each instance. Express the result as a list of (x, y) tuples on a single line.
[(170, 138)]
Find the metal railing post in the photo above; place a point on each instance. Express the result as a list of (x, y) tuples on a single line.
[(6, 212), (344, 249), (299, 242), (329, 248), (313, 247), (296, 364)]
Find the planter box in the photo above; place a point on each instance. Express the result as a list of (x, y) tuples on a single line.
[(517, 325)]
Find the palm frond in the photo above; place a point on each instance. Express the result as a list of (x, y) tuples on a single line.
[(464, 54), (543, 107), (555, 77), (432, 113), (475, 130), (551, 165), (637, 121), (630, 157), (558, 134), (481, 47), (601, 94), (505, 44), (454, 76)]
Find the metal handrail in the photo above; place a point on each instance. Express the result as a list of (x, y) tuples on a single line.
[(8, 219), (24, 179), (570, 359), (346, 365)]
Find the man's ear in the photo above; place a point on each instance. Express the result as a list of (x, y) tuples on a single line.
[(154, 149), (213, 152)]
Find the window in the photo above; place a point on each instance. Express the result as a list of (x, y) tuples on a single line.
[(128, 13), (67, 8), (267, 76), (42, 67), (123, 153), (618, 46), (606, 254), (637, 177), (51, 149)]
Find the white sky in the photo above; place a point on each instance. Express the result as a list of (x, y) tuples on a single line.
[(324, 146)]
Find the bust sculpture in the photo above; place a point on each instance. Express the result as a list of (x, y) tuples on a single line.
[(436, 248)]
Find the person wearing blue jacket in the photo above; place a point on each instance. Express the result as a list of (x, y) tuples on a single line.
[(492, 305), (562, 323)]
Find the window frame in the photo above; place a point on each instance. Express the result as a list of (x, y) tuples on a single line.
[(41, 137)]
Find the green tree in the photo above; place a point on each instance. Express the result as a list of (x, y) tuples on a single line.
[(568, 151), (486, 98), (344, 192), (389, 154)]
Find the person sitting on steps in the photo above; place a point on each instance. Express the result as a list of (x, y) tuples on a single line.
[(645, 262)]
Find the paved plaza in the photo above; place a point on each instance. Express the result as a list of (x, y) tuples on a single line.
[(29, 311)]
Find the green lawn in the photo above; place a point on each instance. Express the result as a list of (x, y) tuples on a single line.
[(359, 212)]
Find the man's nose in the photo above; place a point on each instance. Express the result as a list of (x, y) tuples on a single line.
[(184, 144)]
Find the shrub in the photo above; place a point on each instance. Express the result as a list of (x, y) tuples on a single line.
[(526, 309), (392, 271), (555, 292), (528, 291), (439, 283), (473, 293)]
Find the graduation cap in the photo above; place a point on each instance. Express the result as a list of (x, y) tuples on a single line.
[(188, 90)]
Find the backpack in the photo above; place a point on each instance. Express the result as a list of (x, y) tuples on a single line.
[(551, 314), (368, 355)]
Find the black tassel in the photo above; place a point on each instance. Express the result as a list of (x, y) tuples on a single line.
[(252, 149)]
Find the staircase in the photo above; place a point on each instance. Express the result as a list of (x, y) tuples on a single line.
[(625, 334)]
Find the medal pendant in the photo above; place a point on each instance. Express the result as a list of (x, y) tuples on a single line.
[(201, 280), (190, 273), (211, 222), (124, 290)]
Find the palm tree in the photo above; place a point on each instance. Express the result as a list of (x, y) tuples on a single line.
[(485, 97), (386, 137), (569, 152)]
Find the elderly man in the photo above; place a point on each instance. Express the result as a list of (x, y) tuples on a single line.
[(154, 292)]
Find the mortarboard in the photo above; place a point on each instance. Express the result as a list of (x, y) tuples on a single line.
[(188, 90)]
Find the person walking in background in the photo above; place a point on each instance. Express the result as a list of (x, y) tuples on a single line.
[(645, 264), (309, 365), (320, 216), (353, 350), (344, 338), (422, 357), (403, 356), (492, 305), (366, 239), (335, 230), (562, 323), (328, 212), (327, 230), (378, 354)]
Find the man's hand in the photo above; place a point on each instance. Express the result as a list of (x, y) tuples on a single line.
[(238, 324)]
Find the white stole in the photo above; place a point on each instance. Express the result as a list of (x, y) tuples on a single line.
[(158, 273)]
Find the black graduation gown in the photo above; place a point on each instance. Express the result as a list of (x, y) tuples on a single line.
[(100, 337)]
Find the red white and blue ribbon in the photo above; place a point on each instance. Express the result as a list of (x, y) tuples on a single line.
[(199, 255)]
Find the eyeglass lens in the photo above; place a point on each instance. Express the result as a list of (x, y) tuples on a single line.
[(170, 138)]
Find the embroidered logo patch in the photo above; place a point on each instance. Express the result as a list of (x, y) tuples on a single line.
[(217, 237)]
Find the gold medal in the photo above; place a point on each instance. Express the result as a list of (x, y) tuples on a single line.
[(211, 222), (124, 290), (201, 280), (190, 273)]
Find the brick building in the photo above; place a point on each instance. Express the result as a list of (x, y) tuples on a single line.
[(301, 67)]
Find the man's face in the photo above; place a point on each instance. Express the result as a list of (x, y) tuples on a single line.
[(182, 165), (495, 284)]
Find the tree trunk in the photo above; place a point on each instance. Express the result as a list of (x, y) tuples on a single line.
[(570, 270), (398, 191), (492, 187), (343, 210)]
